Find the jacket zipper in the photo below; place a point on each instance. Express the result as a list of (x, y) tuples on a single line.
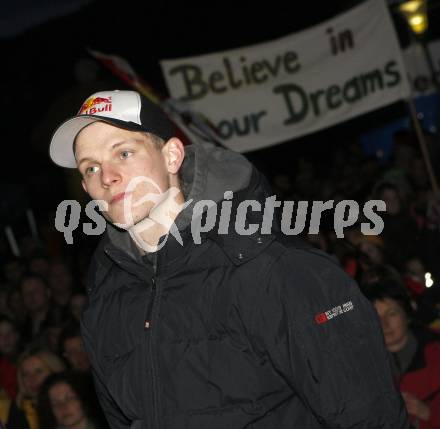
[(151, 304), (148, 326)]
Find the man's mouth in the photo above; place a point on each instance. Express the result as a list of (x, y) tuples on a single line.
[(118, 197)]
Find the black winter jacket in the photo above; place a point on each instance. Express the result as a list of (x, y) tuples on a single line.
[(233, 333)]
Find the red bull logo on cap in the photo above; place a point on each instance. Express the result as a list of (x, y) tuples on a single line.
[(94, 105)]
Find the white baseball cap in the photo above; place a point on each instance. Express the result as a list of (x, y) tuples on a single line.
[(125, 109)]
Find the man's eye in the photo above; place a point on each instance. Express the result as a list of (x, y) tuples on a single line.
[(126, 153), (91, 170)]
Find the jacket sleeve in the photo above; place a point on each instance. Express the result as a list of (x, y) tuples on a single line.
[(112, 412), (325, 339)]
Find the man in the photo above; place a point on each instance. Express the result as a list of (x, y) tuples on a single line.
[(61, 283), (44, 317), (194, 327), (36, 300), (72, 348)]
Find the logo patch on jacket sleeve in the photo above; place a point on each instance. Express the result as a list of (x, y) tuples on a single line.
[(334, 312)]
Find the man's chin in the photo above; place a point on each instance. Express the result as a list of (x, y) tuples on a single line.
[(118, 221), (127, 224)]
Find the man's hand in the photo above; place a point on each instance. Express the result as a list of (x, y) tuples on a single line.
[(416, 407)]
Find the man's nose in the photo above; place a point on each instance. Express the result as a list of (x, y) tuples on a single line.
[(109, 175)]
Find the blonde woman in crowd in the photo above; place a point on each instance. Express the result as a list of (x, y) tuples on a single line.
[(33, 367)]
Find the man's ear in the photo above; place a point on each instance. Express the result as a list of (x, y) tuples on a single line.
[(174, 153)]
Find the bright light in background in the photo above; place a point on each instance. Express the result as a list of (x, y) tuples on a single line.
[(414, 12), (416, 20), (418, 23), (428, 280), (411, 6)]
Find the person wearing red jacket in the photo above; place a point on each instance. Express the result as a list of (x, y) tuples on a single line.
[(414, 351)]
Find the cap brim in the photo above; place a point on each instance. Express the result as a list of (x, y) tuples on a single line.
[(61, 145)]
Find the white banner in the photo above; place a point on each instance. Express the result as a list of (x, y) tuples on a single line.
[(418, 70), (265, 94)]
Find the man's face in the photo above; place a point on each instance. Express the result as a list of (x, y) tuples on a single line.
[(77, 304), (109, 158), (394, 323), (76, 354)]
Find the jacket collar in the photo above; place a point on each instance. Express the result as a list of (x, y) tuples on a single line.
[(239, 249)]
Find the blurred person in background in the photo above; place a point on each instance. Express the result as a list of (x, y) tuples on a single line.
[(414, 275), (37, 301), (77, 303), (30, 246), (17, 310), (9, 350), (371, 254), (51, 330), (4, 309), (65, 403), (13, 270), (10, 340), (400, 233), (371, 251), (414, 351), (404, 151), (39, 264), (418, 176), (34, 366), (60, 283), (72, 348)]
